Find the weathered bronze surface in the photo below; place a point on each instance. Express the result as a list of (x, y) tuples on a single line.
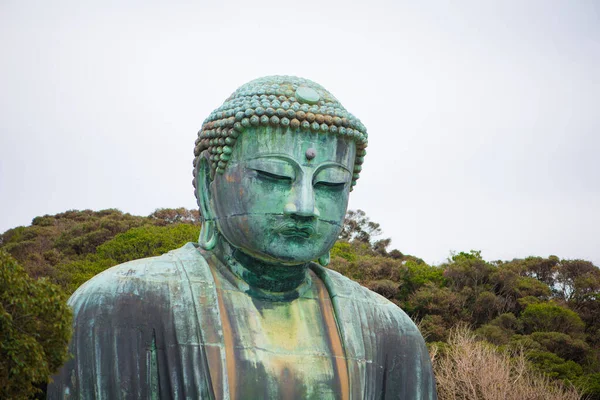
[(245, 313)]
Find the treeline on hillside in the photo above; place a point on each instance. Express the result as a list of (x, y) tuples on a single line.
[(549, 308), (71, 247), (546, 309)]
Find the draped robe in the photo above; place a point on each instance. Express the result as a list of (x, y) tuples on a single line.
[(152, 329)]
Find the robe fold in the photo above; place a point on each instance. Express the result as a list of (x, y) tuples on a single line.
[(151, 329)]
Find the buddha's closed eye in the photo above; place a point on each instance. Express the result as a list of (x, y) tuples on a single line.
[(272, 170), (330, 185), (272, 177), (331, 177)]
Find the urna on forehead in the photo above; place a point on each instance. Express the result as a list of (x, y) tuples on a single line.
[(295, 104)]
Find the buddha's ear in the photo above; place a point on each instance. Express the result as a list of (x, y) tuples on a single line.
[(208, 232)]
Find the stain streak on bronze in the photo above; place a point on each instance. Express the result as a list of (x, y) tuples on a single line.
[(334, 337), (213, 355), (287, 390), (228, 338)]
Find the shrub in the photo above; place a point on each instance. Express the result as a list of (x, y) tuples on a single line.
[(384, 287), (508, 321), (494, 334), (590, 384), (554, 366), (433, 328), (471, 369), (147, 241), (344, 250), (562, 345), (486, 307), (136, 243), (550, 317)]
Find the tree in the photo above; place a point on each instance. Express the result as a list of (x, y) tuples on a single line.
[(468, 269), (554, 366), (550, 317), (542, 269), (35, 328), (431, 299), (359, 228), (568, 272), (562, 345), (486, 306), (414, 275), (174, 215)]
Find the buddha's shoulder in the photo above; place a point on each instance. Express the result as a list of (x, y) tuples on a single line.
[(341, 286), (144, 277), (351, 295)]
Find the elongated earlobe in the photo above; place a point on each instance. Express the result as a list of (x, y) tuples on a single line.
[(208, 232), (324, 259), (208, 235)]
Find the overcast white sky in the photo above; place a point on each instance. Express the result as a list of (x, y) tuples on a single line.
[(483, 117)]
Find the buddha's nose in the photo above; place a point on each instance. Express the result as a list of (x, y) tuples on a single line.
[(301, 202)]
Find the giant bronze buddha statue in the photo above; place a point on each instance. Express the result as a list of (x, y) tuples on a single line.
[(245, 313)]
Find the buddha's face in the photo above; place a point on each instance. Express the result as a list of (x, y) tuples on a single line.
[(283, 196)]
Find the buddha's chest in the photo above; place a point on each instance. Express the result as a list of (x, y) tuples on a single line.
[(282, 349)]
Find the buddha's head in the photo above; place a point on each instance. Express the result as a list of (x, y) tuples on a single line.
[(274, 167)]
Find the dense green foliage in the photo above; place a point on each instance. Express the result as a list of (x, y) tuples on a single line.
[(71, 247), (548, 307), (66, 249), (140, 242), (35, 328)]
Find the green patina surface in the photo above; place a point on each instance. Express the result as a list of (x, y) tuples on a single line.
[(275, 204), (246, 313)]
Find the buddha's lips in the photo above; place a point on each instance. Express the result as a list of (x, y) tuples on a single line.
[(297, 230)]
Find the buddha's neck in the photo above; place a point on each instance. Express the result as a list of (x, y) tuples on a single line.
[(267, 276), (261, 276)]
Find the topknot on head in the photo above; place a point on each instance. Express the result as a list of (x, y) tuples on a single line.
[(287, 101)]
